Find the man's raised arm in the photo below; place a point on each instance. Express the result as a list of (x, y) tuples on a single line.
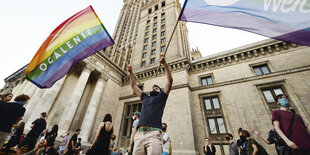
[(168, 74), (133, 84)]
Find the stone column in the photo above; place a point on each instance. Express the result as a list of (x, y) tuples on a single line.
[(24, 83), (74, 100), (46, 101), (90, 115), (27, 87), (17, 87), (31, 105), (32, 90)]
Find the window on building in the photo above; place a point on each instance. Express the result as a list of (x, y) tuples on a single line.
[(163, 48), (150, 10), (261, 69), (143, 63), (154, 36), (216, 125), (163, 15), (146, 40), (148, 22), (144, 55), (154, 30), (163, 26), (163, 40), (127, 119), (152, 61), (163, 33), (153, 44), (163, 20), (146, 33), (163, 4), (214, 117), (145, 47), (155, 24), (206, 81), (211, 103), (153, 52), (147, 27), (155, 18), (156, 7)]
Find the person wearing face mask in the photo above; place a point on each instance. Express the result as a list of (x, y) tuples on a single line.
[(233, 148), (166, 140), (252, 147), (148, 138), (291, 127), (209, 148), (135, 117), (241, 143), (22, 99)]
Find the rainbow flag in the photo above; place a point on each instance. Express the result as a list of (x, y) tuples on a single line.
[(78, 37), (287, 20)]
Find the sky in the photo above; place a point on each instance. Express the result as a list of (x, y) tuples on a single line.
[(25, 25)]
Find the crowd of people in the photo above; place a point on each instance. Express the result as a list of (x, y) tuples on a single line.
[(149, 134)]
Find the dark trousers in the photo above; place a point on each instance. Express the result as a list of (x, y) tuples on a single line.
[(70, 151), (297, 152), (29, 141), (301, 152)]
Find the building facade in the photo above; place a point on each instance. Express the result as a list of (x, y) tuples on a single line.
[(211, 96)]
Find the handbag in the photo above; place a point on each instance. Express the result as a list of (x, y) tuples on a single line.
[(287, 149)]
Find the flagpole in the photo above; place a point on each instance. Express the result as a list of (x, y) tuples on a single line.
[(175, 26), (128, 65)]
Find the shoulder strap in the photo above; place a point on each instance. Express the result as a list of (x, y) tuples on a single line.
[(291, 125)]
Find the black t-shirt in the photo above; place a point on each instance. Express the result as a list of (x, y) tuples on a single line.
[(9, 113), (2, 101), (39, 126), (74, 139), (242, 145), (152, 110), (209, 150), (78, 144)]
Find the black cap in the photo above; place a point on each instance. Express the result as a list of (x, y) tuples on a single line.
[(44, 114)]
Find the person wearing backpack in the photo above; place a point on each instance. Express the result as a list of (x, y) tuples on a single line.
[(291, 128), (252, 147), (273, 138)]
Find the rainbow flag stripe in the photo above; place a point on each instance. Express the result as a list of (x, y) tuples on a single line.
[(287, 20), (78, 37)]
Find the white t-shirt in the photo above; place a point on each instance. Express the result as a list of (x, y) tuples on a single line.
[(134, 125), (166, 146)]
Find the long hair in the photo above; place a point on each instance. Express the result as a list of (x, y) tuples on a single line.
[(21, 126), (55, 128), (107, 118)]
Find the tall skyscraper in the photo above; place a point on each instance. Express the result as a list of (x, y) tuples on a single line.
[(142, 33)]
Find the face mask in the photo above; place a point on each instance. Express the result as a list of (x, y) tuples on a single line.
[(154, 93), (227, 138), (242, 138), (164, 129), (284, 102), (133, 117), (22, 103)]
